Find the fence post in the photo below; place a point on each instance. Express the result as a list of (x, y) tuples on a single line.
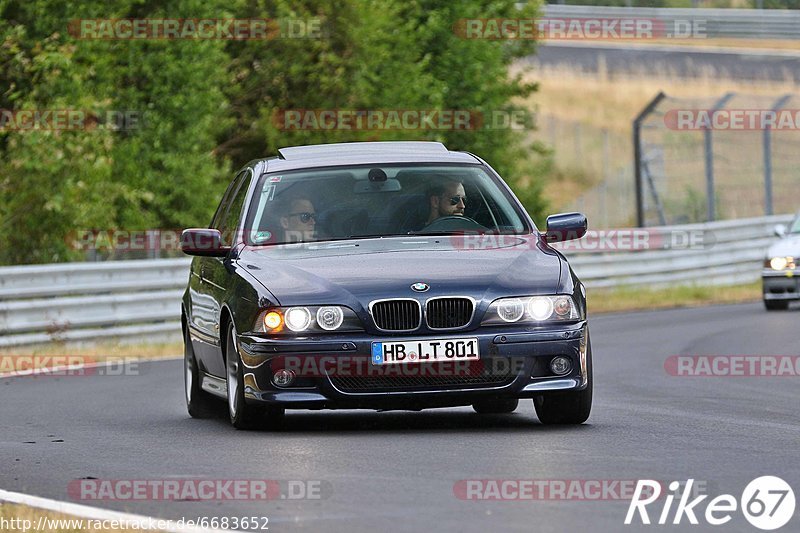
[(711, 208), (637, 155), (768, 157)]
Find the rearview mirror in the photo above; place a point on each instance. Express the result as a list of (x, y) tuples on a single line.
[(565, 227), (780, 230), (388, 185), (203, 242)]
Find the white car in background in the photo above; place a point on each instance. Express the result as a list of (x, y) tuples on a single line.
[(780, 277)]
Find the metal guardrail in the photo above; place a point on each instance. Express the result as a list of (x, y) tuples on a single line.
[(90, 301), (727, 23), (141, 299), (732, 253)]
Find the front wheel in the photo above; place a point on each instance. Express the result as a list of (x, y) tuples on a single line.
[(567, 407), (243, 415), (199, 403), (776, 305)]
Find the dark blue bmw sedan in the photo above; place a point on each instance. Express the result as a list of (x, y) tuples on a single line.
[(381, 275)]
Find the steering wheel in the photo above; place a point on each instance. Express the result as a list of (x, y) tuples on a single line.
[(453, 223)]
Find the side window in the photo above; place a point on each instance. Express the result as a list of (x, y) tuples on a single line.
[(216, 222), (230, 219)]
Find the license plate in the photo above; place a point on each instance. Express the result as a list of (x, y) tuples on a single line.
[(424, 351)]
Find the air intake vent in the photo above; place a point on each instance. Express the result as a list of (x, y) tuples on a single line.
[(397, 315), (448, 313)]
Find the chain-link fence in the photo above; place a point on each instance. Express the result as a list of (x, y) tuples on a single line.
[(595, 157), (698, 159), (704, 159)]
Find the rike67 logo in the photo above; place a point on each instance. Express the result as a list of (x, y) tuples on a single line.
[(767, 502)]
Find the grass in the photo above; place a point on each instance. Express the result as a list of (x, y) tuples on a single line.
[(612, 102), (586, 120), (23, 358), (634, 299), (22, 513), (748, 44)]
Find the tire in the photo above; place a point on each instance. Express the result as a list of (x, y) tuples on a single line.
[(242, 415), (496, 406), (567, 407), (776, 305), (199, 403)]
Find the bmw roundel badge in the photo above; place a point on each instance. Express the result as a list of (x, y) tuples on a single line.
[(420, 287)]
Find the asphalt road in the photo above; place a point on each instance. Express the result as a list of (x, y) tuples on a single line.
[(673, 61), (396, 471)]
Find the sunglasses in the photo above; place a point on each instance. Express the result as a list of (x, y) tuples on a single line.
[(455, 199), (304, 217)]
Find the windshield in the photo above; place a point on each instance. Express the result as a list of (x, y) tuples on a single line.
[(379, 201), (795, 227)]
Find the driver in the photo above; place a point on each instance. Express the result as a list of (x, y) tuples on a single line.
[(299, 220), (446, 199)]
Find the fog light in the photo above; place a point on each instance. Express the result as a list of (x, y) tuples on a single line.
[(560, 365), (283, 378)]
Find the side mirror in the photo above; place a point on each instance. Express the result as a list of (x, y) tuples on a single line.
[(204, 242), (780, 230), (565, 227)]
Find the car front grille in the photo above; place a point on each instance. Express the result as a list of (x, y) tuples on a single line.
[(427, 377), (396, 315), (448, 313)]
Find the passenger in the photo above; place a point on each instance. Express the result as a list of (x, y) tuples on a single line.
[(299, 220), (446, 199)]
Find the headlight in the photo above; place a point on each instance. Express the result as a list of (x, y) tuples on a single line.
[(298, 318), (532, 309), (540, 308), (307, 319), (779, 263), (330, 318), (510, 310)]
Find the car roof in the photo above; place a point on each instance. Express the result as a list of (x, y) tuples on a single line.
[(365, 153)]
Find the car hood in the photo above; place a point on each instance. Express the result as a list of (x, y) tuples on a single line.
[(356, 272), (787, 246)]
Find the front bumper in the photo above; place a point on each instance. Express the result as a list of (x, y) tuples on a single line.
[(337, 371), (780, 284)]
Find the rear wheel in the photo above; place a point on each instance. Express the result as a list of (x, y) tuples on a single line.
[(776, 305), (567, 407), (199, 403), (496, 406), (243, 415)]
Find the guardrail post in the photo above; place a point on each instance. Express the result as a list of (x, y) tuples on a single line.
[(637, 155)]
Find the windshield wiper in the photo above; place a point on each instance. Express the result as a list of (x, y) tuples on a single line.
[(450, 232)]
